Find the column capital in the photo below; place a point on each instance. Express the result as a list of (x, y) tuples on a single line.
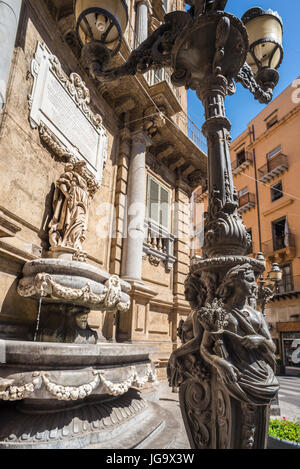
[(140, 136), (144, 2)]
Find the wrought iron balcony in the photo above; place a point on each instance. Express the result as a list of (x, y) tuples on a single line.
[(277, 165), (239, 165), (246, 202), (159, 245), (153, 77), (196, 135), (288, 287)]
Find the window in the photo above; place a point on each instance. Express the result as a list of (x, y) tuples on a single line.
[(272, 122), (279, 228), (286, 284), (158, 203), (276, 191), (241, 157), (274, 152)]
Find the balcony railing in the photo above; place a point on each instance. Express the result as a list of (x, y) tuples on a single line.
[(153, 77), (239, 165), (279, 243), (196, 135), (289, 284), (278, 164), (246, 202), (159, 244)]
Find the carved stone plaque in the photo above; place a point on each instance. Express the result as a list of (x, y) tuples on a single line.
[(59, 107)]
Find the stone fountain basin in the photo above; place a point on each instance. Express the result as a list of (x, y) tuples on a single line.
[(71, 275), (72, 365)]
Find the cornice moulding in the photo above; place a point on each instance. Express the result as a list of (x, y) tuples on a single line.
[(278, 207)]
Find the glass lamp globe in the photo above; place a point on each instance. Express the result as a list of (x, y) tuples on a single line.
[(265, 31), (102, 21), (276, 273)]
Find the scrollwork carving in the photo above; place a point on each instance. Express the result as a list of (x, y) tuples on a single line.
[(53, 143), (247, 80), (154, 52)]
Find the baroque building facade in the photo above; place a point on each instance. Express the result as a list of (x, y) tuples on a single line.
[(266, 169), (100, 173)]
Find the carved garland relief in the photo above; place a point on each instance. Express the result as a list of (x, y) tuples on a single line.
[(74, 393)]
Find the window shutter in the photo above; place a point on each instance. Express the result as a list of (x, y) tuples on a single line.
[(164, 208), (274, 152), (153, 201), (243, 191)]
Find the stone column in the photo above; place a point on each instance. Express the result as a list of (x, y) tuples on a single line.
[(9, 21), (141, 28), (132, 270)]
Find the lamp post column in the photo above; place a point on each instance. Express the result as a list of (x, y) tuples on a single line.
[(225, 233), (9, 20), (136, 207)]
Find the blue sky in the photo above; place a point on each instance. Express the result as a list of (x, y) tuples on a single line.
[(242, 107)]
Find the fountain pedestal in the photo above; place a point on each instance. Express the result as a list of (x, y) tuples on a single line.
[(60, 396)]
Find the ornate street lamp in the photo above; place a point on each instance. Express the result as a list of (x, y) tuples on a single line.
[(224, 371), (265, 31), (102, 24), (276, 273), (268, 285)]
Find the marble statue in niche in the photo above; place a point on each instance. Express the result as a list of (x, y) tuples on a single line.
[(71, 201)]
